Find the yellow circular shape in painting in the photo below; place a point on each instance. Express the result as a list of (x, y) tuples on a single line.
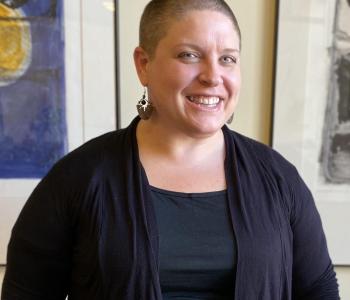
[(15, 45)]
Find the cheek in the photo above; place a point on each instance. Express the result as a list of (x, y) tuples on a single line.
[(233, 86), (165, 84), (177, 77), (233, 83)]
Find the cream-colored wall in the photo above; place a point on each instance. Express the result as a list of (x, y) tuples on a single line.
[(343, 275), (253, 114), (130, 88), (257, 21)]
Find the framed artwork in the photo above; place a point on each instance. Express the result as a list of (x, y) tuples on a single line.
[(57, 90), (311, 125)]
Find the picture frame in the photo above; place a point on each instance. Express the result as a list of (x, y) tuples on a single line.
[(91, 90), (311, 117)]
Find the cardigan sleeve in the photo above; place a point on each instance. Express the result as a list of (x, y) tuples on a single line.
[(313, 273), (38, 258)]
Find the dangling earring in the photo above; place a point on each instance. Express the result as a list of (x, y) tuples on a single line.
[(144, 107), (229, 121)]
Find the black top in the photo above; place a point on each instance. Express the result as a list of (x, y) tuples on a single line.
[(197, 251), (89, 228)]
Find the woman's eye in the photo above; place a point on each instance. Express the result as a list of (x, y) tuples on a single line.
[(188, 55), (229, 59)]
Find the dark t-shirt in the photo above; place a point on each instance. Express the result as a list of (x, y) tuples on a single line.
[(197, 250)]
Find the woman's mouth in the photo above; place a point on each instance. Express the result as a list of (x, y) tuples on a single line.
[(209, 101)]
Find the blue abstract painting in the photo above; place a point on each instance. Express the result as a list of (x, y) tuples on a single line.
[(33, 130)]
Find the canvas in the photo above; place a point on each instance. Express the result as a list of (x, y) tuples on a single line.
[(32, 88), (57, 90), (311, 122)]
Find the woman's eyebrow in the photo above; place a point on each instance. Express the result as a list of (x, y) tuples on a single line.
[(189, 45), (196, 47), (231, 50)]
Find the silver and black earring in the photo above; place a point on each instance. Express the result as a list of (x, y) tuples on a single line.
[(229, 121), (144, 106)]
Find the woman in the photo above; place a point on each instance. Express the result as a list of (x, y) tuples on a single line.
[(176, 206)]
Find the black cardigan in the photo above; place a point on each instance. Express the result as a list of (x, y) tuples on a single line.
[(89, 228)]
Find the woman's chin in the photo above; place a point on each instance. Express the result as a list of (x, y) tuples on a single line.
[(206, 127)]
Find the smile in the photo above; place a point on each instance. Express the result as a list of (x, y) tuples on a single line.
[(205, 100)]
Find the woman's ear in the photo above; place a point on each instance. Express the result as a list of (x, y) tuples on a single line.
[(141, 60)]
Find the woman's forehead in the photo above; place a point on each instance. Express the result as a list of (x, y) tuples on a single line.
[(196, 25), (200, 15)]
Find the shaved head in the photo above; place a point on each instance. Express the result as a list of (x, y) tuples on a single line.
[(159, 14)]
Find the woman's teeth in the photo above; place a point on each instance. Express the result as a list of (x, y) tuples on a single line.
[(204, 100)]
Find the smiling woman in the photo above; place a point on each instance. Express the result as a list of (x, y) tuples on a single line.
[(15, 44), (199, 89), (176, 205)]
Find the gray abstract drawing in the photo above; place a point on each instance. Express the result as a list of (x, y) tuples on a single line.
[(335, 152)]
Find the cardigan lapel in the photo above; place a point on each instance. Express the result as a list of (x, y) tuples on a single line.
[(148, 218)]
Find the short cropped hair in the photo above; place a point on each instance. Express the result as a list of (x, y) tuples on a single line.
[(157, 15)]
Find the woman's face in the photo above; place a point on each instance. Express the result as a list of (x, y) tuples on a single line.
[(194, 76)]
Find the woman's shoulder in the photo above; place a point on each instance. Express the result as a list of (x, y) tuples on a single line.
[(95, 157), (272, 169), (105, 146), (78, 178)]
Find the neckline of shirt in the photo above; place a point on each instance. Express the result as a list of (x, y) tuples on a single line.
[(188, 195)]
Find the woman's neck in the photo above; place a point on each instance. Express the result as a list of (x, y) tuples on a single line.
[(175, 144), (178, 162)]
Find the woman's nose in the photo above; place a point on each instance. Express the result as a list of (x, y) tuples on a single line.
[(210, 74)]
